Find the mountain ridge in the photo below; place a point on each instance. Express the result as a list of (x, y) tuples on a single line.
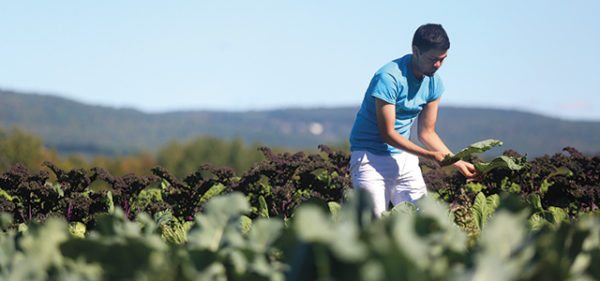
[(71, 126)]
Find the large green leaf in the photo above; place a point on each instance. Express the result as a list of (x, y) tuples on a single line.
[(502, 254), (311, 224), (222, 212), (263, 234), (484, 207), (502, 162), (478, 147)]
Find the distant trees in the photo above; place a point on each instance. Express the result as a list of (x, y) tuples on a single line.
[(18, 146), (179, 157), (183, 158)]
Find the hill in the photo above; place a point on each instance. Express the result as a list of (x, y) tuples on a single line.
[(71, 126)]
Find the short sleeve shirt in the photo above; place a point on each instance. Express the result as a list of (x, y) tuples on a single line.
[(393, 83)]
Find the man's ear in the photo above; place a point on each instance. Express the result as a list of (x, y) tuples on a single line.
[(416, 51)]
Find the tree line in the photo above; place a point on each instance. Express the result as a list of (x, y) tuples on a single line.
[(181, 157)]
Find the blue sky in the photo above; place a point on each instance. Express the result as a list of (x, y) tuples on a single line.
[(159, 56)]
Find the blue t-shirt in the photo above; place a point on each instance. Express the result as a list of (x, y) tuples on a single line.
[(394, 83)]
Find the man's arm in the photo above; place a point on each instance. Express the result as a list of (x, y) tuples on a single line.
[(386, 118), (429, 137), (427, 134)]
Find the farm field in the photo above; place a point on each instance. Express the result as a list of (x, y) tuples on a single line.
[(296, 217)]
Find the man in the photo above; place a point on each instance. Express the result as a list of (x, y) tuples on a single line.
[(384, 161)]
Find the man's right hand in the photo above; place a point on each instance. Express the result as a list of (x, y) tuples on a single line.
[(467, 169)]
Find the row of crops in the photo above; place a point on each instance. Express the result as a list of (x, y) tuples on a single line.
[(295, 217)]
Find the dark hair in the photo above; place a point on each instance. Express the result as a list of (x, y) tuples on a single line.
[(431, 36)]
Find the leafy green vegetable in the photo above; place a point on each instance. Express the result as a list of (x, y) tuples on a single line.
[(77, 229), (478, 147), (546, 184), (499, 162), (263, 209), (484, 207)]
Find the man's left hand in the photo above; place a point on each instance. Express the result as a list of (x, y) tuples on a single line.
[(466, 168)]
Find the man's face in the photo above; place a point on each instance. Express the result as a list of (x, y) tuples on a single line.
[(429, 62)]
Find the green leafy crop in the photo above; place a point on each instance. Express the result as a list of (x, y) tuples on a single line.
[(478, 147)]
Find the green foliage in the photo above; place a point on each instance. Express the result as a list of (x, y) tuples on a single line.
[(36, 255), (263, 209), (245, 224), (562, 171), (110, 204), (409, 243), (77, 229), (478, 147), (499, 162), (334, 208), (508, 186), (404, 245), (509, 252), (5, 195), (551, 216), (474, 187), (185, 158), (171, 229), (145, 198), (16, 146), (484, 207), (220, 250), (220, 213), (483, 234), (212, 192)]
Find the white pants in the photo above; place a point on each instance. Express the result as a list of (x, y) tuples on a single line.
[(392, 178)]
